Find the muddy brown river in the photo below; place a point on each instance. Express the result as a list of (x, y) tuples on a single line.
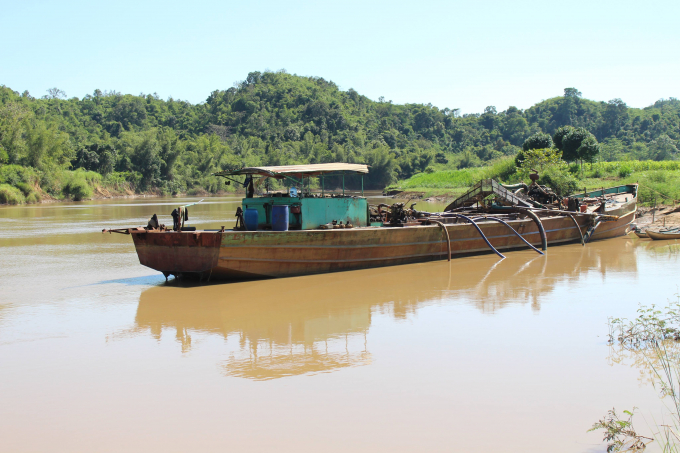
[(99, 354)]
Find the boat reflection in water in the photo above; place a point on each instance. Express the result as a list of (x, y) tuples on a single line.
[(319, 323)]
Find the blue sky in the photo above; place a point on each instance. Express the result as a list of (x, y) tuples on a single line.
[(454, 54)]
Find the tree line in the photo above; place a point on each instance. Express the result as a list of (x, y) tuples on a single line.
[(276, 118)]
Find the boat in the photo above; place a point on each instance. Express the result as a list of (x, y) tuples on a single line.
[(299, 231), (635, 229), (672, 233)]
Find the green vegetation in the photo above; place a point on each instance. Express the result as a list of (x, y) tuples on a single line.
[(143, 143), (652, 341), (659, 181), (620, 434)]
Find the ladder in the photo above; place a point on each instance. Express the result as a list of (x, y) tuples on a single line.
[(483, 189)]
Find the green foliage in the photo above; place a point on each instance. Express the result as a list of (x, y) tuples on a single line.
[(467, 159), (559, 136), (275, 118), (382, 165), (30, 192), (15, 174), (624, 170), (589, 149), (78, 185), (619, 433), (637, 166), (659, 182), (11, 195), (78, 189), (559, 179), (539, 140), (572, 141), (444, 179), (652, 339), (539, 160), (503, 169)]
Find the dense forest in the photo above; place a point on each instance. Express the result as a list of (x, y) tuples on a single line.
[(144, 143)]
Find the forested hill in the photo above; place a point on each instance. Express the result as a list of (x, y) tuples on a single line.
[(275, 118)]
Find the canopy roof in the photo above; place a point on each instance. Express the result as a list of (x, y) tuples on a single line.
[(297, 170)]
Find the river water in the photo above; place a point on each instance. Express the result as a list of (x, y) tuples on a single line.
[(99, 354)]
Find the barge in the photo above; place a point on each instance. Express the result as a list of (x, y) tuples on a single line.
[(297, 232)]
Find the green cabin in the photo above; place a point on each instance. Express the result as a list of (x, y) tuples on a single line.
[(307, 210)]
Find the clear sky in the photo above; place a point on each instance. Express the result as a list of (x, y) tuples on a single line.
[(456, 54)]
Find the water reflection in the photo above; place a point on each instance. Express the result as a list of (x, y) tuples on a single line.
[(313, 324), (666, 248)]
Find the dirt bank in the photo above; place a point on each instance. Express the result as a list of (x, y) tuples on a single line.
[(660, 216)]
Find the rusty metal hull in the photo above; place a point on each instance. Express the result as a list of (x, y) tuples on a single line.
[(235, 255)]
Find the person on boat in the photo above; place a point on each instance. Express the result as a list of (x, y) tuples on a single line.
[(249, 184)]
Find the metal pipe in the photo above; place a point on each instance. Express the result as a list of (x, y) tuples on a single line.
[(511, 229), (544, 239), (546, 211), (481, 233), (590, 232), (448, 239)]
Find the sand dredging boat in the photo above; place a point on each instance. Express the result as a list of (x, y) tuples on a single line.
[(297, 232)]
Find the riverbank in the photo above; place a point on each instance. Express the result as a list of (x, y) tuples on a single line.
[(106, 195), (24, 185)]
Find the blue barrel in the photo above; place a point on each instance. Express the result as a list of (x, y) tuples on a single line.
[(250, 218), (280, 218)]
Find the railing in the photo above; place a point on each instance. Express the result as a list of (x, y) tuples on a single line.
[(483, 189)]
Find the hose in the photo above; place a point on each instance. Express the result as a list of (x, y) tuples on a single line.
[(448, 240), (479, 230), (578, 227), (511, 229), (544, 239)]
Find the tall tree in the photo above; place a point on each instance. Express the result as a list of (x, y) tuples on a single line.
[(539, 140)]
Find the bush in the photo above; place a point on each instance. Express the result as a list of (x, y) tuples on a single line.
[(560, 180), (32, 195), (14, 174), (503, 169), (597, 173), (11, 195), (625, 170), (78, 189)]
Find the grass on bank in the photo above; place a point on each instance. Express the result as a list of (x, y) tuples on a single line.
[(659, 181)]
